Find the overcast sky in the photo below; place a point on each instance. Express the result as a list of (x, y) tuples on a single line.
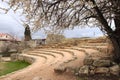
[(10, 23)]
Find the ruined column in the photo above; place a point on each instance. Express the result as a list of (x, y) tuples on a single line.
[(27, 33)]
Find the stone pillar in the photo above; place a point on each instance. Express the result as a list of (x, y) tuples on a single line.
[(27, 33)]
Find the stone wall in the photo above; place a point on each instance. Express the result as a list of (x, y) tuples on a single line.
[(31, 43), (54, 38), (7, 47), (22, 57), (102, 66)]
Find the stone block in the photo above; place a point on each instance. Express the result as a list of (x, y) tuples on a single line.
[(60, 69), (91, 67), (14, 57), (29, 60), (102, 63), (101, 70), (84, 70), (21, 57), (115, 70), (92, 72), (88, 61)]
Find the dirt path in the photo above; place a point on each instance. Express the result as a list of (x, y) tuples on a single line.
[(46, 61)]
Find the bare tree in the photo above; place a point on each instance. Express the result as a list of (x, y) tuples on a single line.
[(63, 14)]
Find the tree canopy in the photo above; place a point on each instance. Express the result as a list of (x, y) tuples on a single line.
[(68, 13), (61, 14)]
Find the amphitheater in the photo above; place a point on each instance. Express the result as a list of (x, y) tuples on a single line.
[(48, 59)]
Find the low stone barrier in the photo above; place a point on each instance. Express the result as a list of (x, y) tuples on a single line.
[(94, 66), (22, 57)]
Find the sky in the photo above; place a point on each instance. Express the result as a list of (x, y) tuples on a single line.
[(10, 23)]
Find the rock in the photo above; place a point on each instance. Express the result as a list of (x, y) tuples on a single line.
[(76, 71), (113, 63), (92, 72), (6, 48), (21, 58), (14, 57), (3, 46), (105, 58), (60, 69), (102, 63), (28, 59), (13, 51), (88, 61), (101, 70), (84, 70), (115, 70), (91, 67), (76, 74)]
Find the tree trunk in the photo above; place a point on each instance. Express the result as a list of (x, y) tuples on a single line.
[(115, 38), (116, 46)]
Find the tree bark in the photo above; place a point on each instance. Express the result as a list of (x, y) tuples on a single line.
[(114, 36), (115, 39)]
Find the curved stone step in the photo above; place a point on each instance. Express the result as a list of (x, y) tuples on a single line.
[(51, 52), (72, 53), (67, 55), (37, 52), (49, 58), (97, 44), (63, 51), (74, 57), (79, 49), (58, 56), (73, 63), (41, 56), (88, 51), (99, 48)]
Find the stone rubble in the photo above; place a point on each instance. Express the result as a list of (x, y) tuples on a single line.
[(93, 66), (21, 57), (60, 69)]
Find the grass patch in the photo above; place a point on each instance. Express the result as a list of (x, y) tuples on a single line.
[(8, 67)]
